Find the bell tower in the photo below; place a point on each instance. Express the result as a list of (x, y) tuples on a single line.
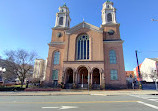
[(108, 13), (62, 17)]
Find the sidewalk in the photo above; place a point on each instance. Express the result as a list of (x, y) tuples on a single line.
[(79, 92)]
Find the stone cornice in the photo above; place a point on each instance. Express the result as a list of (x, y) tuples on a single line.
[(84, 25), (56, 43), (84, 62), (110, 24), (113, 41), (60, 28)]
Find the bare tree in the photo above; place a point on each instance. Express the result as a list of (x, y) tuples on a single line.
[(19, 62)]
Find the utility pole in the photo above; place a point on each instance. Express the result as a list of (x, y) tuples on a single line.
[(154, 20), (138, 70)]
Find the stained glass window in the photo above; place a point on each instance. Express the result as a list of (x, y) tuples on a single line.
[(82, 47)]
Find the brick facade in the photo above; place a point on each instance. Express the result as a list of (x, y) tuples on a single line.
[(98, 64)]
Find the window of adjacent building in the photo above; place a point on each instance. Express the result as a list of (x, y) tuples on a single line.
[(82, 47), (61, 21), (109, 17), (56, 57), (112, 55), (55, 75), (114, 75)]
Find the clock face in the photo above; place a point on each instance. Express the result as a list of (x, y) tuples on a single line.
[(111, 32), (59, 34)]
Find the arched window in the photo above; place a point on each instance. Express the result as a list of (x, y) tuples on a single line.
[(56, 57), (109, 17), (61, 21), (112, 56), (82, 51)]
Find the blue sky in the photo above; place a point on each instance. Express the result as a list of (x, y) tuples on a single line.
[(27, 24)]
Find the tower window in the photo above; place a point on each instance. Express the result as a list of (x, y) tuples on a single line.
[(109, 17), (68, 24), (55, 74), (112, 55), (114, 75), (56, 57), (108, 6), (61, 21), (82, 49)]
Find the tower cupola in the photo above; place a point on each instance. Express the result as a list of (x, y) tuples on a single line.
[(62, 17), (108, 13)]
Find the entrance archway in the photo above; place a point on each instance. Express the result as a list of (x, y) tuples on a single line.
[(83, 75), (69, 76), (96, 76)]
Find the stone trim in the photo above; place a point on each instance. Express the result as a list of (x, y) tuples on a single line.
[(113, 41), (83, 62), (55, 43)]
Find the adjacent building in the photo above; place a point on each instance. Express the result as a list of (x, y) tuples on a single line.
[(148, 70), (40, 69), (86, 54)]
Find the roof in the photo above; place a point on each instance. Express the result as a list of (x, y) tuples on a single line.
[(154, 59), (84, 25)]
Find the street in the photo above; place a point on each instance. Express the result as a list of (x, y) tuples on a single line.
[(80, 103)]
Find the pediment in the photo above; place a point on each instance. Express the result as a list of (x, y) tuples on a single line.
[(84, 25)]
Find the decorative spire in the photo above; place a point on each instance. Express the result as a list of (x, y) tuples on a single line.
[(83, 19), (64, 5), (107, 1)]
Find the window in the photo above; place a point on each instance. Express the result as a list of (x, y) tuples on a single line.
[(82, 50), (55, 75), (113, 74), (56, 57), (112, 56), (68, 24), (109, 17), (61, 21)]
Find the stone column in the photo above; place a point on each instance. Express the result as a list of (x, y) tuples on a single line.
[(76, 78), (100, 78), (91, 78), (73, 77)]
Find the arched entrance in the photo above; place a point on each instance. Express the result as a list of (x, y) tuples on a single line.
[(83, 75), (69, 75), (96, 76)]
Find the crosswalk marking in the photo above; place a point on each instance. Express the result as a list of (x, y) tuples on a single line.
[(62, 107), (147, 97), (149, 105)]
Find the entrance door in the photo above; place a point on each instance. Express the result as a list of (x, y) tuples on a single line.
[(96, 76), (83, 75), (69, 76)]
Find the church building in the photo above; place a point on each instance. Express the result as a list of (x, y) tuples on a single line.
[(86, 55)]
